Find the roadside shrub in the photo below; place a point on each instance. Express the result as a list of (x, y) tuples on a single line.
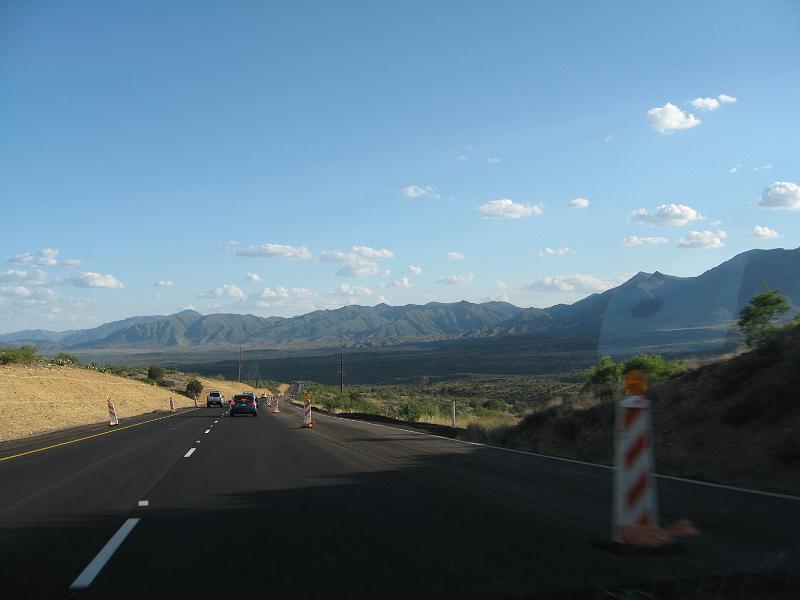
[(606, 372), (24, 355), (410, 411), (194, 388), (65, 359), (495, 404), (654, 365), (167, 383), (155, 373)]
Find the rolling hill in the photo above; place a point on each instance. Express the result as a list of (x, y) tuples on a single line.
[(650, 308)]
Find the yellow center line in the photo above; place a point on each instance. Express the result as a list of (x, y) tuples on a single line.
[(88, 437)]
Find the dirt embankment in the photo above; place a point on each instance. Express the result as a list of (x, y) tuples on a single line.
[(40, 399), (736, 422)]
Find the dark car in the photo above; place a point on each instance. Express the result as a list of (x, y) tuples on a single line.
[(244, 404)]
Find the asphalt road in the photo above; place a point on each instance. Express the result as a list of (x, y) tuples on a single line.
[(265, 509)]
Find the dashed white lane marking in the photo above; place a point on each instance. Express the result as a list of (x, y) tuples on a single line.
[(144, 503), (197, 441), (87, 576), (206, 431), (189, 453), (216, 422)]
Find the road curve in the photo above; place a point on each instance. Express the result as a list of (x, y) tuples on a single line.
[(201, 505)]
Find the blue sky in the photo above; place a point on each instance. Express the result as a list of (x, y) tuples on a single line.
[(341, 151)]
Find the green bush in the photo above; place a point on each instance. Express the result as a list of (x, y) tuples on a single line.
[(194, 388), (155, 373), (410, 411), (606, 372), (63, 358), (654, 365), (24, 355), (495, 404)]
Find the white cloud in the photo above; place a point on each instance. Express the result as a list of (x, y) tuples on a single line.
[(15, 291), (500, 292), (418, 191), (765, 167), (493, 160), (225, 291), (414, 270), (252, 278), (457, 279), (461, 157), (276, 250), (578, 203), (47, 257), (666, 214), (454, 256), (734, 168), (635, 240), (360, 261), (725, 99), (353, 290), (163, 283), (715, 222), (711, 104), (608, 138), (556, 251), (282, 297), (403, 282), (39, 277), (577, 283), (373, 253), (760, 231), (702, 240), (669, 117), (781, 195), (95, 280), (508, 209)]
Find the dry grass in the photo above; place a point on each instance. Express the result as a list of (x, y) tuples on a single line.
[(39, 399)]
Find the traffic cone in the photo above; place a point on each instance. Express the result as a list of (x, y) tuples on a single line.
[(269, 401), (307, 420), (112, 413), (635, 519), (196, 405), (171, 404), (275, 408)]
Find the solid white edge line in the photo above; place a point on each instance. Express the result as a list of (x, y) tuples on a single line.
[(189, 453), (87, 576), (721, 486)]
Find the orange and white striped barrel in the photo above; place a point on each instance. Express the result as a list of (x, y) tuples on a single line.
[(196, 405), (307, 422), (112, 413), (269, 401), (634, 485), (275, 408), (171, 404)]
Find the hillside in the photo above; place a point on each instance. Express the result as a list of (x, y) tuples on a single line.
[(734, 421), (662, 311), (42, 398)]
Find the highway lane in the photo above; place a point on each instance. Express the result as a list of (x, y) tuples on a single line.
[(263, 508)]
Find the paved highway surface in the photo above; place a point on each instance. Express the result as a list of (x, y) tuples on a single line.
[(264, 509)]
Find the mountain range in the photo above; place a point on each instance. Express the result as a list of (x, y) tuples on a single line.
[(648, 304)]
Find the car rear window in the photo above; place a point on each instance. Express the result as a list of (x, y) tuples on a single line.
[(241, 398), (214, 394)]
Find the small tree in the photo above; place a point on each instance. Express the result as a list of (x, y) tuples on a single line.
[(194, 388), (606, 372), (155, 373), (757, 319)]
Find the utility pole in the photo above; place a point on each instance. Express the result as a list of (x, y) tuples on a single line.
[(341, 370), (240, 364)]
